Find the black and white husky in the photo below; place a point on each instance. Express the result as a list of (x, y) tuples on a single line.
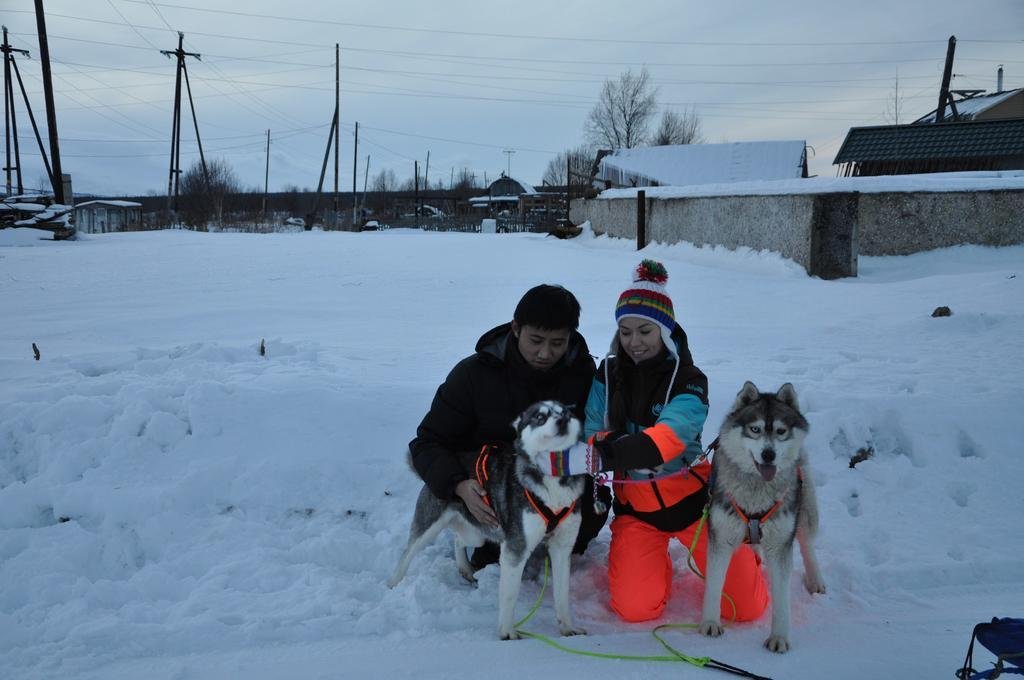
[(531, 506), (762, 494)]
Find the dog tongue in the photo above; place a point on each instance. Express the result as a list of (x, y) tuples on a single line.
[(767, 471)]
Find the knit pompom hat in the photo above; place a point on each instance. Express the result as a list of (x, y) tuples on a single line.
[(647, 299)]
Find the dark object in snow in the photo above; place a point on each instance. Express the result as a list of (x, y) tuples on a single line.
[(863, 453), (942, 311), (263, 348), (1002, 637), (35, 351)]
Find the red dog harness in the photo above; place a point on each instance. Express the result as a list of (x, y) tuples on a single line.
[(551, 518), (754, 522)]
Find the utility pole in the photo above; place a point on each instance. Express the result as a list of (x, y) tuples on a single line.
[(56, 177), (266, 179), (508, 166), (366, 179), (10, 119), (355, 175), (947, 74), (416, 191), (337, 123), (426, 174), (174, 173), (32, 119)]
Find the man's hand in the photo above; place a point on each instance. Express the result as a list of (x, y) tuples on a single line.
[(473, 495)]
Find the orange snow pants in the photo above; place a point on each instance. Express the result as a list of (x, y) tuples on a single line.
[(640, 572)]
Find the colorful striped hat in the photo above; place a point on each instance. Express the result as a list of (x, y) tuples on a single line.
[(648, 299)]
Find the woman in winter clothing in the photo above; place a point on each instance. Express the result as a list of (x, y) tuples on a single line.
[(644, 416), (538, 355)]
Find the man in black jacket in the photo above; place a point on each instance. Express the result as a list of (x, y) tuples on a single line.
[(538, 355)]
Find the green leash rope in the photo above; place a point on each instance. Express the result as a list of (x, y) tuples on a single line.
[(675, 654)]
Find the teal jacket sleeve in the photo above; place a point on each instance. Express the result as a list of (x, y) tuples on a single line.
[(595, 410)]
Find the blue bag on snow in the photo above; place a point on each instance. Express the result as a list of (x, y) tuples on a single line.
[(1005, 639)]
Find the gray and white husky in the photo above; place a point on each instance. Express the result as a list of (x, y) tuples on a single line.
[(521, 494), (762, 494)]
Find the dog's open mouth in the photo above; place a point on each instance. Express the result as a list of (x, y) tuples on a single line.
[(767, 471)]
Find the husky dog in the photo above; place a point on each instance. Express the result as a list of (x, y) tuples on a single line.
[(762, 493), (530, 504)]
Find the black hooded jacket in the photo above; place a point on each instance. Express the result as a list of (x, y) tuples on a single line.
[(483, 395)]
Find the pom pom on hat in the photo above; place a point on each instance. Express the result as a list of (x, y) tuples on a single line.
[(651, 270)]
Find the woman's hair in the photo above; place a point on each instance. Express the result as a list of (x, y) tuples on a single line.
[(548, 307)]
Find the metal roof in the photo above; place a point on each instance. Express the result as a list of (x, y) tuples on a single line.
[(964, 139), (968, 109)]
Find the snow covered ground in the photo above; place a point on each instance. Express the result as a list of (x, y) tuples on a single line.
[(175, 506)]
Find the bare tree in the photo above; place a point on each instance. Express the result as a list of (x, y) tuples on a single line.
[(202, 200), (623, 113), (678, 128), (465, 179), (894, 104), (578, 161), (385, 181)]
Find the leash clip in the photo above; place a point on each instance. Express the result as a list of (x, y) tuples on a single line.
[(754, 531)]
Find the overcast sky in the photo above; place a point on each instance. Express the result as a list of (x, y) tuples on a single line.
[(466, 81)]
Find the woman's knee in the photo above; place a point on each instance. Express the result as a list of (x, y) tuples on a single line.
[(635, 605)]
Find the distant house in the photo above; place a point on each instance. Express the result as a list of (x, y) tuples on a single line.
[(103, 216), (504, 194), (688, 164), (994, 106)]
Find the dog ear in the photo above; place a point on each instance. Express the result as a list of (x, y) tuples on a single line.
[(747, 395), (515, 423), (787, 395)]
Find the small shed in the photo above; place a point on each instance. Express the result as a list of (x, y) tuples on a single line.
[(103, 216), (932, 147)]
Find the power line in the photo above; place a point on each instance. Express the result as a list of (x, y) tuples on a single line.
[(522, 36)]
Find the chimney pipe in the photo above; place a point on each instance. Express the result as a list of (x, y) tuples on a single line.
[(999, 79)]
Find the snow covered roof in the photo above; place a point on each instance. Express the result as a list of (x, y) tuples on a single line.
[(494, 199), (116, 204), (967, 109), (527, 187), (689, 164)]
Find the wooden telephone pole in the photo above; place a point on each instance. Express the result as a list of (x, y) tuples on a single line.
[(56, 176), (174, 174), (10, 120)]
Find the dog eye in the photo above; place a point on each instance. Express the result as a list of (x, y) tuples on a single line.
[(780, 431), (755, 429), (539, 418)]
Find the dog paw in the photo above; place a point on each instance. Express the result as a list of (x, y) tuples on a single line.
[(814, 586), (467, 574), (777, 643), (566, 631), (510, 635), (711, 628)]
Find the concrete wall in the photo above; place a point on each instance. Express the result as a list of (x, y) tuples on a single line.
[(900, 224), (823, 232)]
